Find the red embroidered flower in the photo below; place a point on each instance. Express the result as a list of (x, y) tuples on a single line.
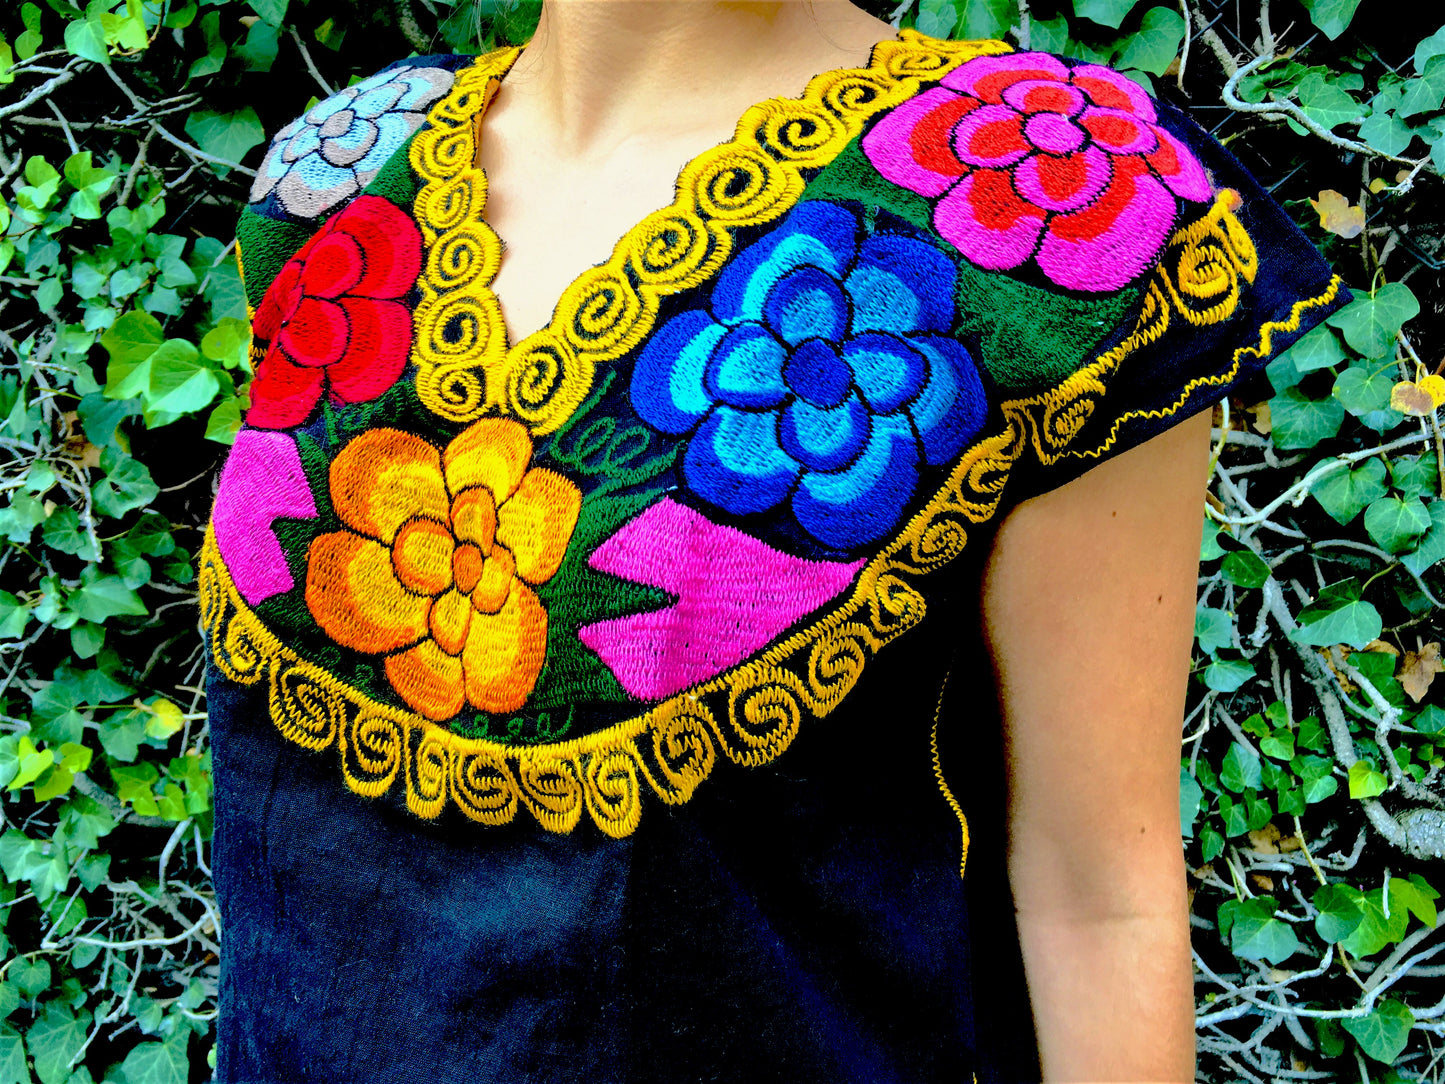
[(333, 323), (1032, 159)]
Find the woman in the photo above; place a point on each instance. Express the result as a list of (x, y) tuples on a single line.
[(570, 552)]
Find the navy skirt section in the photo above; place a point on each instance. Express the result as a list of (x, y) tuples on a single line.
[(800, 922)]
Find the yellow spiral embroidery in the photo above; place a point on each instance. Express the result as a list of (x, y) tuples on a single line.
[(466, 367)]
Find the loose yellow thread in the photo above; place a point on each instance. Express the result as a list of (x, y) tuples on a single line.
[(942, 782)]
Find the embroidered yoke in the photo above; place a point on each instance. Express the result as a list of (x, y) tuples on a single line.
[(558, 729)]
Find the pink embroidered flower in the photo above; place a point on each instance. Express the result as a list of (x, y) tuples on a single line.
[(333, 322), (1037, 159)]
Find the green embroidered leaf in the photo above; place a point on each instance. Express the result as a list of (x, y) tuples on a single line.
[(1345, 493), (1396, 524), (1254, 933), (1331, 16), (1370, 324), (1153, 47), (1338, 616), (1302, 422), (1382, 1035)]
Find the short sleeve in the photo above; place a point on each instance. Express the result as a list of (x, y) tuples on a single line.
[(318, 164), (1211, 279)]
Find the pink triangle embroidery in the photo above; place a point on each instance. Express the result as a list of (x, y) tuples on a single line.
[(735, 595)]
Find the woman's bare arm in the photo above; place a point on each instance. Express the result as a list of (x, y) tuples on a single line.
[(1089, 609)]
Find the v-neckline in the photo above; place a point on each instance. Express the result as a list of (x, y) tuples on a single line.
[(495, 85), (468, 365)]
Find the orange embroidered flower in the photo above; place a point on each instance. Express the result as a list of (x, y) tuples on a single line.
[(436, 567)]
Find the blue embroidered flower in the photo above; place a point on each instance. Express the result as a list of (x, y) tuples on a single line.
[(334, 150), (825, 375)]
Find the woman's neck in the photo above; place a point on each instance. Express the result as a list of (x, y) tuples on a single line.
[(597, 72)]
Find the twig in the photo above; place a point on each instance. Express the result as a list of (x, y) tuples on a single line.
[(310, 65), (64, 125)]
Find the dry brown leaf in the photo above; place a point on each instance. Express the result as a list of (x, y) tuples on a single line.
[(1262, 421), (1420, 398), (1346, 685), (1382, 647), (1261, 882), (1337, 214), (1214, 502), (1264, 839), (1419, 670), (1288, 844)]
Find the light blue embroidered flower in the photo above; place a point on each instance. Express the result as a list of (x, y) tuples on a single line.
[(335, 149), (825, 375)]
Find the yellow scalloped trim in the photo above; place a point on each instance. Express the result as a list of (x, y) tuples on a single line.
[(466, 367)]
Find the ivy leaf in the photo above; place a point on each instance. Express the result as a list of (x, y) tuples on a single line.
[(1415, 894), (158, 1063), (1376, 930), (90, 183), (1254, 932), (31, 978), (1049, 35), (1339, 911), (1241, 769), (1227, 675), (54, 1039), (1213, 629), (1343, 494), (936, 18), (1153, 47), (1108, 13), (1244, 568), (1191, 794), (105, 596), (1427, 93), (85, 38), (1415, 476), (1338, 616), (1302, 422), (1431, 548), (1364, 390), (1326, 103), (1395, 523), (1370, 324), (13, 1069), (1331, 16), (130, 341), (179, 381), (1386, 133), (127, 484), (225, 135), (1319, 348), (1365, 781), (1382, 1035)]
